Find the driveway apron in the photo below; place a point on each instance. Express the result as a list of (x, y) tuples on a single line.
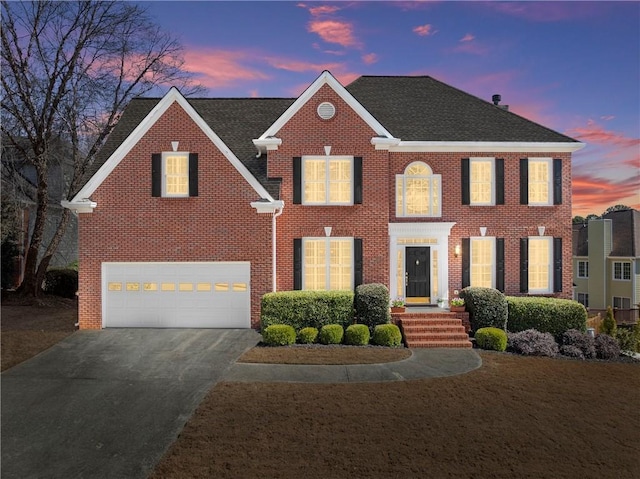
[(107, 404)]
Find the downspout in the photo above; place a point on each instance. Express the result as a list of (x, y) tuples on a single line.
[(273, 245)]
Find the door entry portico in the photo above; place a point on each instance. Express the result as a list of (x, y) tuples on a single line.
[(417, 275)]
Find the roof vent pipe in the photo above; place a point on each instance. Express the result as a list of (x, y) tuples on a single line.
[(496, 99)]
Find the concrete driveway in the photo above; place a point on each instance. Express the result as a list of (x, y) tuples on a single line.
[(107, 404)]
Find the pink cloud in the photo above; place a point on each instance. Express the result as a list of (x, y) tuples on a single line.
[(424, 30), (471, 47), (467, 38), (594, 133), (370, 58), (546, 11), (323, 10), (219, 68), (593, 194), (300, 66), (334, 31), (607, 117)]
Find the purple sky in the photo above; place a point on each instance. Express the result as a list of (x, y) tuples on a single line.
[(572, 66)]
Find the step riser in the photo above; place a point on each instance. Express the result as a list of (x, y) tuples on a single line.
[(433, 331)]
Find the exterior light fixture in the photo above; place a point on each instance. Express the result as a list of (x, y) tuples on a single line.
[(456, 251)]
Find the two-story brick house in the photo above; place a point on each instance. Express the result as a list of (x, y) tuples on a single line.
[(198, 207)]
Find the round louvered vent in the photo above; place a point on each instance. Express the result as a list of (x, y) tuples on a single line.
[(326, 110)]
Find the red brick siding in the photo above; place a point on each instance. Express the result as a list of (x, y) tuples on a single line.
[(347, 134), (131, 225)]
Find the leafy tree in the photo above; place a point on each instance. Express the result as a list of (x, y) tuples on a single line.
[(577, 220), (68, 70), (611, 209)]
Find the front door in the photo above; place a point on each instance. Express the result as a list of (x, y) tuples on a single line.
[(417, 268)]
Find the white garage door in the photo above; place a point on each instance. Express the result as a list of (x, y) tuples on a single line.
[(176, 295)]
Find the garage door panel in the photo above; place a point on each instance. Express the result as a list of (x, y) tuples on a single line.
[(177, 295)]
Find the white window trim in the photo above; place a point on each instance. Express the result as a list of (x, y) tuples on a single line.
[(613, 271), (327, 158), (549, 241), (430, 178), (492, 202), (166, 154), (586, 268), (622, 299), (585, 299), (328, 258), (492, 239), (549, 162)]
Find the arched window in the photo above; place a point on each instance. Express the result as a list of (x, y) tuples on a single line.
[(418, 191)]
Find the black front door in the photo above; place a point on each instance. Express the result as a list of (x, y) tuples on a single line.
[(417, 268)]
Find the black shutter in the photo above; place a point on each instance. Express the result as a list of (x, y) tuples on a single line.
[(524, 181), (466, 198), (466, 262), (156, 174), (193, 174), (524, 265), (499, 181), (500, 264), (557, 265), (358, 277), (557, 181), (357, 180), (297, 180), (297, 263)]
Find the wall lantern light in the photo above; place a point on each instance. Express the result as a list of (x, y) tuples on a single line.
[(456, 251)]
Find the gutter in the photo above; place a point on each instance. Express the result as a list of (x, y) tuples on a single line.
[(275, 208)]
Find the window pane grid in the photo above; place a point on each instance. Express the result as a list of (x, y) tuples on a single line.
[(539, 264), (418, 192), (482, 263), (328, 181), (328, 264), (539, 181), (481, 182), (176, 171)]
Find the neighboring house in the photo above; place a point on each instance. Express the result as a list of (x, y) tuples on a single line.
[(19, 188), (197, 207), (606, 261)]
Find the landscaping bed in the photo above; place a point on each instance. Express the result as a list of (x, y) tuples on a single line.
[(321, 354)]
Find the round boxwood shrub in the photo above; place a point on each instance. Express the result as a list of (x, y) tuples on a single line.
[(331, 334), (491, 338), (279, 335), (487, 307), (387, 335), (357, 335), (307, 335), (607, 347), (371, 302)]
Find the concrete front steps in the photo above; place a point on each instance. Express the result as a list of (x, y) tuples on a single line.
[(437, 330)]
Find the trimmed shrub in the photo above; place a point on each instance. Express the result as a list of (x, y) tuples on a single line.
[(532, 343), (357, 335), (486, 306), (608, 325), (279, 335), (606, 347), (307, 335), (571, 351), (628, 339), (301, 309), (491, 338), (582, 341), (387, 335), (547, 315), (331, 334), (371, 303), (61, 282)]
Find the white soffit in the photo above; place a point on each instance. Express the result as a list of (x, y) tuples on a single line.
[(477, 146), (156, 113)]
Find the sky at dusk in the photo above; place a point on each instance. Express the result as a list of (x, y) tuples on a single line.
[(571, 66)]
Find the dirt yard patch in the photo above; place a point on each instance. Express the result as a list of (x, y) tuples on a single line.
[(30, 326), (513, 417)]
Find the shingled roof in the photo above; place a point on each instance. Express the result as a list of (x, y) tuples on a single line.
[(420, 108), (417, 108), (625, 232)]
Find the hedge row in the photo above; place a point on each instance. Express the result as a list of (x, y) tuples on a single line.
[(301, 309), (547, 315), (355, 334)]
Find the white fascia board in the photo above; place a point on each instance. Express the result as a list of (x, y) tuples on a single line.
[(267, 144), (81, 206), (481, 146), (384, 143), (267, 206), (329, 79), (136, 135)]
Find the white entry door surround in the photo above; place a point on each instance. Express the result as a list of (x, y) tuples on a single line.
[(435, 236)]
